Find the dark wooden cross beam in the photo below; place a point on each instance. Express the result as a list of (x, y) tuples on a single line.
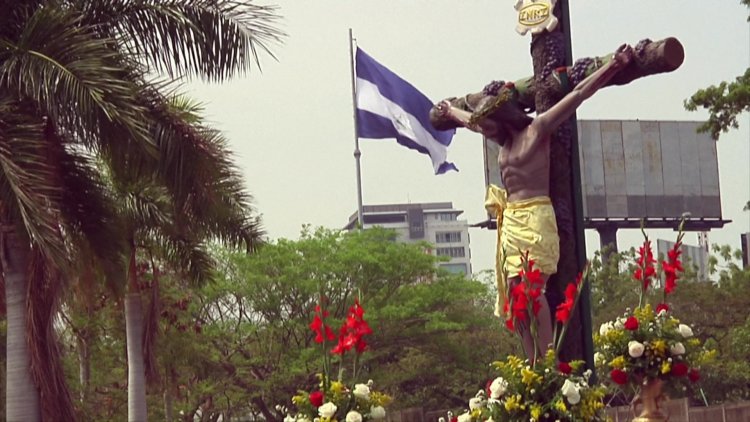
[(554, 75)]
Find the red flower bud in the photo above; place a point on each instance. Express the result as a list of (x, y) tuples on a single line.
[(679, 369), (694, 375), (316, 398), (619, 376), (564, 367), (631, 323), (662, 307)]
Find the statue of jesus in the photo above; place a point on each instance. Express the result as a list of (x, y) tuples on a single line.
[(525, 217)]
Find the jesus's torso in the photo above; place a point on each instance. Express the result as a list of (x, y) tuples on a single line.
[(524, 165)]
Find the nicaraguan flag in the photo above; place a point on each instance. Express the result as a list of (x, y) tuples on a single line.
[(390, 107)]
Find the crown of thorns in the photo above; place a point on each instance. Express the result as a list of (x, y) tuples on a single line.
[(493, 89)]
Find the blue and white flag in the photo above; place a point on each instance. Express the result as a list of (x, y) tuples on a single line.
[(390, 107)]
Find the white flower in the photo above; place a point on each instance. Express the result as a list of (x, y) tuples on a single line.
[(587, 374), (476, 403), (490, 419), (377, 412), (685, 330), (353, 416), (464, 417), (327, 410), (498, 387), (289, 418), (605, 328), (361, 391), (570, 391), (598, 358), (635, 349), (303, 419), (677, 349), (620, 323)]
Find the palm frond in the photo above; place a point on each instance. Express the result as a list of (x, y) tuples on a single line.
[(186, 253), (213, 39), (30, 191), (78, 78), (196, 167), (88, 207)]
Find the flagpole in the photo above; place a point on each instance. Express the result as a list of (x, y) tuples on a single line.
[(357, 152)]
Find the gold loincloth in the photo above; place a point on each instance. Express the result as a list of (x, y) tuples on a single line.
[(526, 225)]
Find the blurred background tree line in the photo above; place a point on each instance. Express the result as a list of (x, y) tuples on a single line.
[(240, 344)]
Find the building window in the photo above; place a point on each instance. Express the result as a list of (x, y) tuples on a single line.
[(448, 237), (453, 252), (455, 268), (447, 216)]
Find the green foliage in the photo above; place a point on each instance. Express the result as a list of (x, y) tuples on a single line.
[(724, 102)]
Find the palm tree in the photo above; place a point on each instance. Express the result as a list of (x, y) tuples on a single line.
[(73, 92), (174, 233)]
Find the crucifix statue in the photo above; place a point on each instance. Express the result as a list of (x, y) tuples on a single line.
[(535, 210)]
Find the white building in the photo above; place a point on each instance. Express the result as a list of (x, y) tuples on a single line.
[(433, 222)]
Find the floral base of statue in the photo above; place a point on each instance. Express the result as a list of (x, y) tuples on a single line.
[(650, 397)]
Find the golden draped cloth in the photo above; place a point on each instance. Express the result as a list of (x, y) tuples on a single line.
[(527, 225)]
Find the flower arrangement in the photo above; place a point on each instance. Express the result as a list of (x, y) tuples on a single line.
[(333, 400), (547, 391), (541, 388), (649, 344)]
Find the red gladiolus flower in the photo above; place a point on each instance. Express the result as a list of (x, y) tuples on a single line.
[(662, 307), (454, 419), (353, 330), (672, 267), (694, 375), (319, 327), (564, 367), (316, 398), (509, 324), (520, 302), (631, 323), (619, 376), (645, 262), (536, 305), (564, 309), (679, 369)]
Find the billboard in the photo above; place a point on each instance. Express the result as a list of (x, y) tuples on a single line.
[(639, 169)]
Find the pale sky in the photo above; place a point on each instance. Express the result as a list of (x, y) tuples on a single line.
[(291, 126)]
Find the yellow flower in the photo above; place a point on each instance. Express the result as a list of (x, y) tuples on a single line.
[(514, 361), (299, 399), (475, 414), (536, 411), (666, 367), (659, 347), (529, 377), (618, 362), (694, 342), (644, 314), (338, 387), (560, 405), (513, 402), (380, 399)]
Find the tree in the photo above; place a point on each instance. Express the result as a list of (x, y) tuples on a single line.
[(73, 87), (431, 342), (724, 102)]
